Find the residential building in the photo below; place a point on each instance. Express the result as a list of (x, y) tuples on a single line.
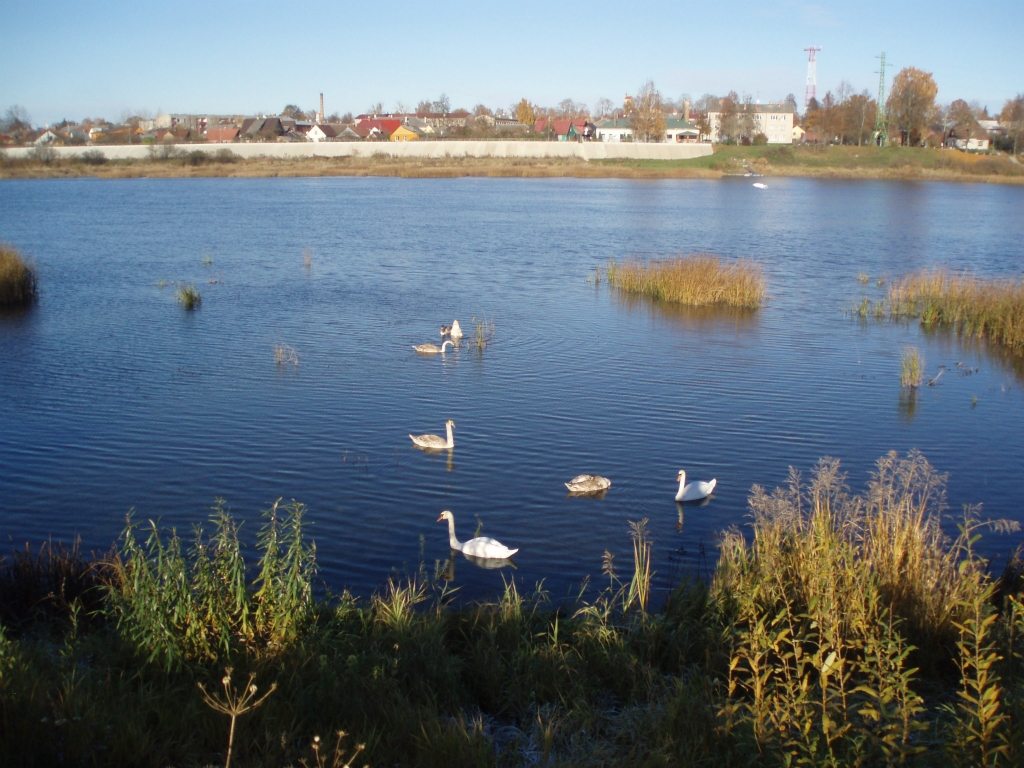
[(401, 133), (775, 121), (614, 129), (222, 135)]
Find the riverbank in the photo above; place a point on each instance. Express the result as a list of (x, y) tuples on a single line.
[(851, 633), (895, 163)]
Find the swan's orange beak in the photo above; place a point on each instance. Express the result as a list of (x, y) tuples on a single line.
[(440, 518)]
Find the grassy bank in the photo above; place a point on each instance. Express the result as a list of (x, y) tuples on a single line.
[(828, 162), (848, 631), (985, 309), (698, 280), (17, 277)]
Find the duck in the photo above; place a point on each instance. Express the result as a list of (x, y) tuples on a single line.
[(456, 330), (696, 490), (435, 441), (588, 484), (482, 546), (431, 349)]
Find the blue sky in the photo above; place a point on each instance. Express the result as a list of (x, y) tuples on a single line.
[(83, 59)]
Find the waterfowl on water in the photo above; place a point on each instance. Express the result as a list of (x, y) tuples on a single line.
[(588, 484), (435, 441), (431, 349), (698, 489), (456, 330), (446, 330), (481, 546)]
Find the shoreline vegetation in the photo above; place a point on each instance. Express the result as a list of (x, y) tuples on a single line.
[(846, 630), (696, 280), (18, 280), (837, 162)]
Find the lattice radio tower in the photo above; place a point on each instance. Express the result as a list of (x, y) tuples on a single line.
[(881, 124), (812, 75)]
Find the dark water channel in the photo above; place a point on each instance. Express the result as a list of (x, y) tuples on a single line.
[(112, 397)]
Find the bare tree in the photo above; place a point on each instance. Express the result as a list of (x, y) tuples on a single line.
[(647, 116), (604, 108), (425, 107), (442, 106), (481, 111), (15, 119), (401, 108)]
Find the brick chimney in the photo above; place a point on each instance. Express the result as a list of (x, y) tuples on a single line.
[(320, 114), (686, 110)]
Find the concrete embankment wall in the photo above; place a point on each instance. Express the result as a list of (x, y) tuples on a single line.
[(412, 149)]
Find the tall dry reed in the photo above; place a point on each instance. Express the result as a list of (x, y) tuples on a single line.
[(992, 309), (17, 277), (697, 280)]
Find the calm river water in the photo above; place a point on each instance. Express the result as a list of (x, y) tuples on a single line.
[(112, 397)]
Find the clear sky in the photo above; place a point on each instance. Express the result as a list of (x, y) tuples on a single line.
[(79, 59)]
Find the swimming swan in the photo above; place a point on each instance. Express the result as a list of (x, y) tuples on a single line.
[(456, 331), (482, 546), (588, 484), (431, 349), (698, 489), (434, 441)]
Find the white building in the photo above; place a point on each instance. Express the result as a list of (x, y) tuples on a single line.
[(616, 129), (775, 121)]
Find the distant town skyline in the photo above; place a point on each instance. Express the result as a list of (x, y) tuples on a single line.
[(71, 60)]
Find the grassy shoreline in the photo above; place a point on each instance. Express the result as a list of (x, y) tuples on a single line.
[(893, 163), (849, 631)]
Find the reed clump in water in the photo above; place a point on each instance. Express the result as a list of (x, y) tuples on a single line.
[(188, 296), (17, 277), (991, 309), (284, 354), (697, 280), (911, 366)]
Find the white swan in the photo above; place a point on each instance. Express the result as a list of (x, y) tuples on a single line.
[(431, 349), (482, 546), (588, 484), (456, 331), (435, 441), (698, 489)]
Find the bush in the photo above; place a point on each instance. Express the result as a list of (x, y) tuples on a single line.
[(43, 153), (17, 277), (93, 157), (225, 156), (759, 140)]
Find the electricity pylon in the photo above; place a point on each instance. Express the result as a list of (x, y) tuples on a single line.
[(881, 124)]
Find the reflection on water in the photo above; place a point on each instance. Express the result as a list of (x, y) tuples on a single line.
[(691, 318), (908, 403), (955, 344)]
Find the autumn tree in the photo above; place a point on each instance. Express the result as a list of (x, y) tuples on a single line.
[(647, 116), (961, 120), (911, 103), (728, 118), (862, 109), (525, 112), (425, 107), (292, 111), (1012, 118)]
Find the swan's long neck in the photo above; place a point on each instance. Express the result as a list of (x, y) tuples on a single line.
[(451, 444), (682, 484), (445, 345), (452, 541)]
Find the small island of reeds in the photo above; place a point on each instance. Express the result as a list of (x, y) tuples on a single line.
[(989, 309), (697, 280), (842, 629), (17, 277)]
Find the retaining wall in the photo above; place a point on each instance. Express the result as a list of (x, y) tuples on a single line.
[(417, 149)]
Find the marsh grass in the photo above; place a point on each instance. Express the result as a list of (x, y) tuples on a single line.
[(989, 309), (18, 280), (483, 333), (911, 367), (843, 633), (188, 296), (307, 259), (284, 354), (697, 280)]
